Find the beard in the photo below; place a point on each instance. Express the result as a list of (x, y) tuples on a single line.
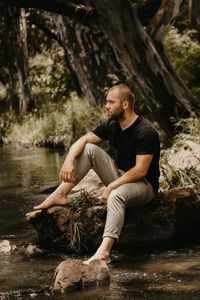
[(117, 116)]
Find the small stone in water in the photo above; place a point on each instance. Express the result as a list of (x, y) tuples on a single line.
[(5, 246), (33, 295)]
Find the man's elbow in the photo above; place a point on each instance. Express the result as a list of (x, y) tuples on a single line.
[(86, 138), (142, 172)]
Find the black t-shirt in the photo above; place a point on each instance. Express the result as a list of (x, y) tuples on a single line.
[(139, 138)]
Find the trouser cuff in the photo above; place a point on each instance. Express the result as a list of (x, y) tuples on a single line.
[(112, 235)]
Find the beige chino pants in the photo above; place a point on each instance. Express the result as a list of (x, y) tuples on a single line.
[(127, 195)]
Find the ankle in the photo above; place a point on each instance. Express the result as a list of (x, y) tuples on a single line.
[(103, 254), (60, 194)]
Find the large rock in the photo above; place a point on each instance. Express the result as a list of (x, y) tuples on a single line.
[(71, 275), (174, 215), (188, 156)]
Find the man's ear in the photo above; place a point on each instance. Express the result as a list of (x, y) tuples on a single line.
[(125, 104)]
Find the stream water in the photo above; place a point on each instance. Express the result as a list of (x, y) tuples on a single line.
[(149, 274)]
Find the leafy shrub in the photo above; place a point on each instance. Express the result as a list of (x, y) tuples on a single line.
[(84, 200), (184, 54), (56, 124), (6, 121), (49, 76), (173, 177)]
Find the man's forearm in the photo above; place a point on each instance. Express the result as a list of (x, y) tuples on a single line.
[(67, 172), (76, 149), (132, 175)]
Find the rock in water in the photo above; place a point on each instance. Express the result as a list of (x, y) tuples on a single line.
[(67, 276), (95, 273), (5, 247), (72, 275), (163, 220)]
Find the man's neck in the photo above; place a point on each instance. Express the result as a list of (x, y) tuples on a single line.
[(128, 120)]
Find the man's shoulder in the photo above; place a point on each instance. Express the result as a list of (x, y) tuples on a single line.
[(145, 127), (109, 123)]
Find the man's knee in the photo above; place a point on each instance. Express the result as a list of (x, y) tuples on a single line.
[(115, 200), (93, 151), (90, 152), (90, 148)]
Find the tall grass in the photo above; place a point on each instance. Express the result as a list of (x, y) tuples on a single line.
[(56, 124), (171, 177)]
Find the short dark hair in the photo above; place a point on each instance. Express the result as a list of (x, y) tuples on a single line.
[(125, 93)]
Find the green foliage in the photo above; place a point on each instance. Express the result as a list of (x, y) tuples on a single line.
[(6, 121), (38, 40), (173, 177), (84, 200), (55, 124), (76, 233), (184, 53), (189, 129), (49, 77)]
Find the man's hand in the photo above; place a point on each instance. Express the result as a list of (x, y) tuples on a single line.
[(67, 172), (106, 194)]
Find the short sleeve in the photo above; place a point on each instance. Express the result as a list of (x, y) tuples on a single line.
[(147, 141), (101, 131)]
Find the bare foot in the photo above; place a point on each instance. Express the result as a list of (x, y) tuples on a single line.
[(102, 256), (53, 199)]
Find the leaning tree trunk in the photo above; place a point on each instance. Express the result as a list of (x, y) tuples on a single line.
[(98, 55), (164, 94), (21, 58), (194, 14), (140, 60), (161, 22), (91, 58)]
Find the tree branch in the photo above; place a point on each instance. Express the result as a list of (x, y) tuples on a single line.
[(160, 24), (40, 25), (82, 13)]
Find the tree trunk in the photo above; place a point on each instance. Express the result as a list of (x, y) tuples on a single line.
[(21, 58), (163, 93), (116, 43), (99, 61), (161, 22), (9, 52), (90, 57), (194, 14)]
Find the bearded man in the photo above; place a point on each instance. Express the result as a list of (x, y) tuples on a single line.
[(130, 175)]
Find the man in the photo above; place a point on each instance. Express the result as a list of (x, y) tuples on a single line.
[(131, 178)]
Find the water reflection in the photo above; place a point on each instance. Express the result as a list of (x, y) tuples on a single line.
[(22, 173)]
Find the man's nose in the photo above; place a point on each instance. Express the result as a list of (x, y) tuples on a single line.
[(107, 105)]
